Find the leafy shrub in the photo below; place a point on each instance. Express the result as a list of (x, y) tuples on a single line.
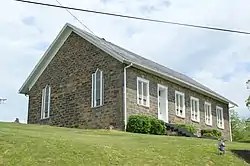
[(208, 134), (211, 132), (158, 127), (190, 128), (139, 124), (146, 125)]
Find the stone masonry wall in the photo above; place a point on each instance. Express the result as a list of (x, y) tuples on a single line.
[(69, 75), (134, 108)]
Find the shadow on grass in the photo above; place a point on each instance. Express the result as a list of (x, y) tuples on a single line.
[(244, 154), (244, 141)]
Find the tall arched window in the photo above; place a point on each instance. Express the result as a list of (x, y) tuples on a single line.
[(97, 88), (45, 109)]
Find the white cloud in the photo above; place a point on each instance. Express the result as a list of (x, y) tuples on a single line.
[(207, 55)]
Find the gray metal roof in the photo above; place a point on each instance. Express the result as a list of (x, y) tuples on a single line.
[(139, 60)]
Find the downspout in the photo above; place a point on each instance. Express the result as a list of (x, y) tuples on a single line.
[(125, 95), (230, 128)]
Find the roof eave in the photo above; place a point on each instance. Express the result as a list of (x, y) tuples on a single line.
[(26, 85), (35, 73), (180, 81)]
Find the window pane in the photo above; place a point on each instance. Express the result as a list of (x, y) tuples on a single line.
[(181, 104), (93, 88), (217, 112), (46, 102), (195, 110), (140, 91), (221, 115), (102, 89), (47, 91), (193, 106), (47, 95), (177, 104), (98, 87), (43, 100), (46, 106), (98, 102), (206, 113), (181, 101), (140, 87), (145, 93), (145, 89), (46, 114), (177, 100), (196, 107), (209, 116)]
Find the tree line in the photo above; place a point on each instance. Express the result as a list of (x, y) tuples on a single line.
[(240, 127)]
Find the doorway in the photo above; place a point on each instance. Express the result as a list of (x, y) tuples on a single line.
[(163, 103)]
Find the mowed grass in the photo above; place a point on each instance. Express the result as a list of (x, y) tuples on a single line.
[(32, 145)]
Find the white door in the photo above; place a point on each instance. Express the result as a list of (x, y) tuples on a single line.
[(163, 103)]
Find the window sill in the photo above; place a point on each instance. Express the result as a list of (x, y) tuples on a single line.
[(44, 118), (146, 106), (196, 121), (222, 128), (209, 124), (97, 106), (179, 116)]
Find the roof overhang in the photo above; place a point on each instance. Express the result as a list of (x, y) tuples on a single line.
[(61, 38), (51, 52), (181, 82), (45, 60)]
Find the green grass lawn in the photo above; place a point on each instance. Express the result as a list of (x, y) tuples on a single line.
[(31, 145)]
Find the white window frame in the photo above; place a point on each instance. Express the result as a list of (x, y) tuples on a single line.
[(43, 109), (220, 122), (192, 109), (148, 95), (208, 113), (94, 92), (178, 93)]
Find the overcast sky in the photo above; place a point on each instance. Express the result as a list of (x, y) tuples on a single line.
[(218, 60)]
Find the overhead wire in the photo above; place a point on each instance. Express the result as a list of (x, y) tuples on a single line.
[(76, 18), (84, 25), (139, 18)]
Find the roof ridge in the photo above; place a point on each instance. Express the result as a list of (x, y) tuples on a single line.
[(121, 54), (147, 59), (152, 65)]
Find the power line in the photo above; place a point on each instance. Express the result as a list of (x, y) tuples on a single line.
[(138, 18), (81, 22), (76, 18)]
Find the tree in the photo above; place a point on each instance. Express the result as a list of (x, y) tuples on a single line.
[(248, 99), (241, 126), (237, 126), (2, 101)]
